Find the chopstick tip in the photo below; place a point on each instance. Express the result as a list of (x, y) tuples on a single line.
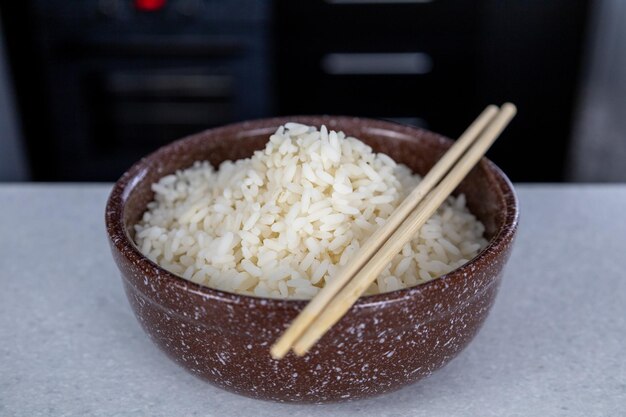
[(510, 107), (491, 108), (300, 350), (277, 353)]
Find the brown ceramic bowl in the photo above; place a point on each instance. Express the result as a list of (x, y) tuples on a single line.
[(385, 341)]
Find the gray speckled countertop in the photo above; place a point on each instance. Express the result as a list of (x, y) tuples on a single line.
[(554, 344)]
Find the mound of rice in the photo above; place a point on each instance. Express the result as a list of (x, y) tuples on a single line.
[(281, 223)]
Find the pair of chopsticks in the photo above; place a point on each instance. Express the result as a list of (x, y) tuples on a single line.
[(336, 298)]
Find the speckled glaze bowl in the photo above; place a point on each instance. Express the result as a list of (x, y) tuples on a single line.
[(385, 341)]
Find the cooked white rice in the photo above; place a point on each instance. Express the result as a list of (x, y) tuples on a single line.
[(281, 223)]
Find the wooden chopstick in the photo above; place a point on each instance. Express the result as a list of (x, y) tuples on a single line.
[(342, 302), (317, 304)]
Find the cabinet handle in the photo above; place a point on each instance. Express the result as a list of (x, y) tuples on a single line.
[(378, 1), (377, 63)]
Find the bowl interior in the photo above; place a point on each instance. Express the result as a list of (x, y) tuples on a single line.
[(419, 149)]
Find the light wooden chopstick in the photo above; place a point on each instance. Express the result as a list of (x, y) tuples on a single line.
[(321, 300), (342, 302)]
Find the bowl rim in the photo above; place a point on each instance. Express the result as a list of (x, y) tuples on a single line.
[(119, 237)]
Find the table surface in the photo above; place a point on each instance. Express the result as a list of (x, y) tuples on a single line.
[(554, 344)]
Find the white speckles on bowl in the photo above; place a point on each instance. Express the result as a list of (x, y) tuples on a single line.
[(384, 342)]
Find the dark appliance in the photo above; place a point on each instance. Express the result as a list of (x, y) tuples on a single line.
[(101, 82), (438, 63), (106, 81)]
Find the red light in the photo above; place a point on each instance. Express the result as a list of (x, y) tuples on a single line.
[(149, 5)]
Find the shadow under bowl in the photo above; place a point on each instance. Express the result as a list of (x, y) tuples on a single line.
[(384, 342)]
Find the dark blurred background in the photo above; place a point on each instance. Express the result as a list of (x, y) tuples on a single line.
[(89, 86)]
